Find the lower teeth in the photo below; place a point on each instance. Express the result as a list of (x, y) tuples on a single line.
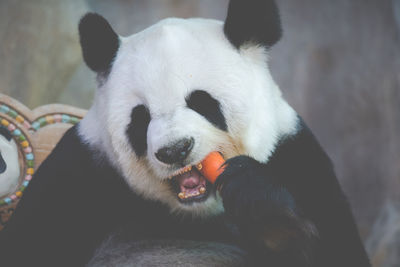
[(201, 191)]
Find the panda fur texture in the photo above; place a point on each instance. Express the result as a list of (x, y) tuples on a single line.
[(166, 97)]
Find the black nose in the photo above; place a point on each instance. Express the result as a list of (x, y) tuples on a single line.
[(175, 152)]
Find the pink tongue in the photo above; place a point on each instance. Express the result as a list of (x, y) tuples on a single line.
[(189, 179)]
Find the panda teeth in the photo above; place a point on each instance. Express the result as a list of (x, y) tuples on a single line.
[(181, 171), (192, 195), (202, 190), (199, 166)]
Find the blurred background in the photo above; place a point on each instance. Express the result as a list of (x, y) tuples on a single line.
[(338, 65)]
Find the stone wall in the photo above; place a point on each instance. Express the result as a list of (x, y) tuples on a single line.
[(39, 49)]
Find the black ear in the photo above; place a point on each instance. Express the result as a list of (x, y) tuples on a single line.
[(99, 42), (254, 21)]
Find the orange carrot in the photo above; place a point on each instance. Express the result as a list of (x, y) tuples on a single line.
[(211, 166)]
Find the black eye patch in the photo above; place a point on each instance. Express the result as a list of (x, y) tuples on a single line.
[(207, 106), (137, 129)]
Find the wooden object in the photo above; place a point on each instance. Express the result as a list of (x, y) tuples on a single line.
[(36, 133)]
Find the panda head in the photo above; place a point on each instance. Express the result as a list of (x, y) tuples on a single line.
[(171, 94), (9, 164)]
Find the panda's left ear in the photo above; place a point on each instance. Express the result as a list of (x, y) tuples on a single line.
[(255, 21), (99, 42)]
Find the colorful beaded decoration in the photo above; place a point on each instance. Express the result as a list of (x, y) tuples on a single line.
[(24, 143), (54, 118)]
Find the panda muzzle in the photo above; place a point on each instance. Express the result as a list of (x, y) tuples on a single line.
[(191, 185)]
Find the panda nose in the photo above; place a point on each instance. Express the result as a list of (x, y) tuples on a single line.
[(176, 152)]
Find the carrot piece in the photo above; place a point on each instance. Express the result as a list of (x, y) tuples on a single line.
[(211, 166)]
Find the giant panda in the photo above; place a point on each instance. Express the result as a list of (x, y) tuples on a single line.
[(167, 96)]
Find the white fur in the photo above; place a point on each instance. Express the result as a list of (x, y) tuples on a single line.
[(159, 67)]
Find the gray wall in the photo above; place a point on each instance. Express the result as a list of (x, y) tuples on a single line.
[(338, 65)]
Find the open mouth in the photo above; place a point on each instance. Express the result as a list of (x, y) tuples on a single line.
[(190, 185)]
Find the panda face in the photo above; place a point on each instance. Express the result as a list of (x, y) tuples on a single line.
[(176, 92), (9, 165)]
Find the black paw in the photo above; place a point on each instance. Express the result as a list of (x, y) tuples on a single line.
[(251, 192), (262, 208)]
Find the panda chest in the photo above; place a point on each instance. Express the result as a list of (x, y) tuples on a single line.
[(161, 226)]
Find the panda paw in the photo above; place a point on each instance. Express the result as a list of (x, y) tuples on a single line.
[(250, 192), (261, 207)]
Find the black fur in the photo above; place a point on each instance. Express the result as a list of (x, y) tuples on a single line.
[(207, 106), (122, 252), (99, 43), (266, 213), (288, 212), (254, 21), (137, 129), (75, 200), (293, 206), (68, 208)]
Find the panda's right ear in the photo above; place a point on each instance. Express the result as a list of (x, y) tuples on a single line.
[(99, 42), (254, 21)]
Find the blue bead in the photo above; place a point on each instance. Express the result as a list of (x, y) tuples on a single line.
[(29, 156), (25, 183), (17, 132), (65, 118), (36, 125), (4, 109), (8, 200)]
